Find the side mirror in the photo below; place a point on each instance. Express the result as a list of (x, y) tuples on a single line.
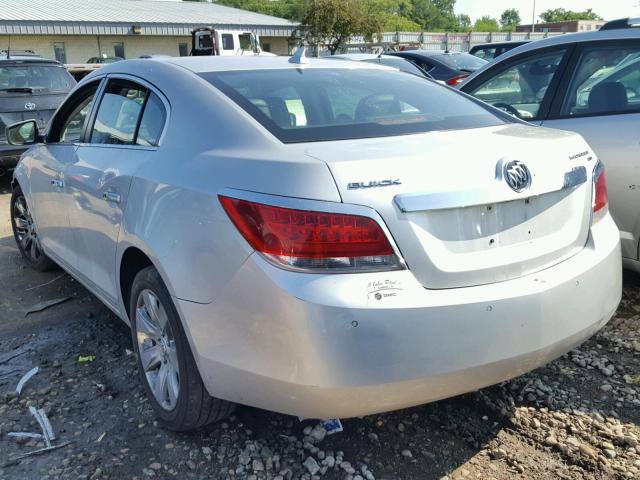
[(23, 133)]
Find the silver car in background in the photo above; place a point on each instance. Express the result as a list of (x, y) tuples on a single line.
[(315, 237), (587, 83)]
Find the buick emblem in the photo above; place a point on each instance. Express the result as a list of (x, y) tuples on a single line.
[(29, 106), (517, 175)]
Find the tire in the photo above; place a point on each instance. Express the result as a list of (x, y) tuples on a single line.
[(25, 234), (167, 368)]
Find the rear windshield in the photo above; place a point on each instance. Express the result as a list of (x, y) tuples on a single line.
[(38, 78), (399, 63), (462, 61), (316, 104)]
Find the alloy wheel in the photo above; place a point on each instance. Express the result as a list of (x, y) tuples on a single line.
[(26, 230), (157, 349)]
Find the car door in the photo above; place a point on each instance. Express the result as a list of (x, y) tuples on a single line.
[(523, 85), (125, 130), (600, 99), (48, 167)]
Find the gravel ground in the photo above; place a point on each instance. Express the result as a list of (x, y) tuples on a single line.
[(575, 418)]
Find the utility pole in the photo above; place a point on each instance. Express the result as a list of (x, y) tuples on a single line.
[(533, 18)]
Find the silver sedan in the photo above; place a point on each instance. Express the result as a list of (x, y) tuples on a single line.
[(320, 238)]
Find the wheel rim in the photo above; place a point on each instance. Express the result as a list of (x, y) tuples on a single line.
[(157, 350), (25, 229)]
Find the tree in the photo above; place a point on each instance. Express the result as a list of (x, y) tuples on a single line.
[(510, 19), (562, 15), (464, 22), (486, 24), (290, 9), (333, 22)]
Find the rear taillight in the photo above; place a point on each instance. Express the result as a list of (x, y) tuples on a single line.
[(600, 193), (312, 241), (452, 82)]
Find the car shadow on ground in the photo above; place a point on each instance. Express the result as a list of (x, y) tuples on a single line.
[(5, 182)]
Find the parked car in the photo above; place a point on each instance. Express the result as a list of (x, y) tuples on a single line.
[(389, 60), (30, 87), (336, 239), (104, 59), (489, 51), (588, 83), (450, 67)]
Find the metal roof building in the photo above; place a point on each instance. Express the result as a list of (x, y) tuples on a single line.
[(128, 21)]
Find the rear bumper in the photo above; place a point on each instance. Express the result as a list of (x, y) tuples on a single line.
[(323, 346), (10, 155)]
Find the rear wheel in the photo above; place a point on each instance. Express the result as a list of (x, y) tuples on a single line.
[(26, 234), (166, 364)]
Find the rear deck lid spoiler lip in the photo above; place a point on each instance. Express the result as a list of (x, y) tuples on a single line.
[(496, 193)]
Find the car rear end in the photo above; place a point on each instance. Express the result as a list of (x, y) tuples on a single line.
[(467, 249), (30, 88)]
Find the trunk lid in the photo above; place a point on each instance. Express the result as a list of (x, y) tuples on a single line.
[(16, 107), (455, 219)]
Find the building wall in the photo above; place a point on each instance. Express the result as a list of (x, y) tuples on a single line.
[(564, 27), (79, 48)]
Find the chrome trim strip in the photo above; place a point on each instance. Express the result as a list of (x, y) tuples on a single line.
[(417, 202)]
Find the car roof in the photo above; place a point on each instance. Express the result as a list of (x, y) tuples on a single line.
[(205, 64), (565, 39), (359, 57), (501, 44), (27, 59)]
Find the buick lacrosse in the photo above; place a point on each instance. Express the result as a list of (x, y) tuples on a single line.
[(319, 238)]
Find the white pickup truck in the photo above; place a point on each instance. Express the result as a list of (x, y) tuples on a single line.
[(209, 41)]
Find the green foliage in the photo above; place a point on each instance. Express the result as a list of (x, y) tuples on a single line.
[(510, 19), (464, 22), (290, 9), (562, 15), (486, 24), (332, 22)]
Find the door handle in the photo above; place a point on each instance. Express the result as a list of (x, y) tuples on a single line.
[(111, 197)]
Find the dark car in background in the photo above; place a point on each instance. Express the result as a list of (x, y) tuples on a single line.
[(489, 51), (31, 87), (450, 67), (401, 64), (104, 59)]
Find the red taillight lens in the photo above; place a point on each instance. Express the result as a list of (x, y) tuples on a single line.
[(309, 240), (452, 82), (600, 195)]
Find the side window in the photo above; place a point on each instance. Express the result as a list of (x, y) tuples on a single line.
[(227, 41), (521, 87), (152, 123), (68, 124), (605, 81), (118, 113)]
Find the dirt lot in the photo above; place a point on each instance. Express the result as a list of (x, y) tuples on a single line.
[(576, 418)]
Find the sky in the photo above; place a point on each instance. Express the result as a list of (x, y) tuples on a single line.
[(607, 9)]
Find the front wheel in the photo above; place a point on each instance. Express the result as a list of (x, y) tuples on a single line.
[(166, 364), (26, 234)]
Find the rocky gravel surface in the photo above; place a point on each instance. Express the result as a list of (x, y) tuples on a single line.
[(577, 418)]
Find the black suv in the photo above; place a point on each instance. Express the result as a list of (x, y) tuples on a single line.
[(31, 87)]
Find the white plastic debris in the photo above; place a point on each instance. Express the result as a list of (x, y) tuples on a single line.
[(45, 425), (25, 378), (37, 436)]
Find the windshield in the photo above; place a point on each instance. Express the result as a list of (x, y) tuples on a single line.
[(32, 77), (462, 61), (316, 104)]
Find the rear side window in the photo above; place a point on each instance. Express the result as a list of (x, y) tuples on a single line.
[(606, 81), (316, 104), (118, 113), (152, 122)]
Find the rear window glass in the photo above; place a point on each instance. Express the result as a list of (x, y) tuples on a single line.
[(35, 77), (316, 104), (461, 61)]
